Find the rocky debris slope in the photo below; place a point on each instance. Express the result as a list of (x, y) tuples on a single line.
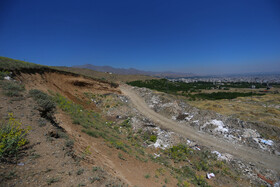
[(229, 128)]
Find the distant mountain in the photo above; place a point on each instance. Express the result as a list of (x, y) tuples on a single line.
[(132, 71)]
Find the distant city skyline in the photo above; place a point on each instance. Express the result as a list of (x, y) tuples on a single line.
[(200, 37)]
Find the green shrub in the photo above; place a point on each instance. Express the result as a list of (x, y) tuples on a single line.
[(3, 74), (200, 180), (12, 138), (45, 102), (52, 180), (12, 89), (80, 171), (179, 152), (153, 138)]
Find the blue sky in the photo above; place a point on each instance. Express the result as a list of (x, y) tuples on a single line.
[(198, 36)]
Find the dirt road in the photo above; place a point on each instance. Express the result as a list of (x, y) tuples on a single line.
[(248, 154)]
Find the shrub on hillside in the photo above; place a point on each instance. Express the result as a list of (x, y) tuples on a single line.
[(12, 89), (12, 138), (45, 102), (3, 74)]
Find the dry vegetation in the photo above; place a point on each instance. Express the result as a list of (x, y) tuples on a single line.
[(106, 76), (264, 108)]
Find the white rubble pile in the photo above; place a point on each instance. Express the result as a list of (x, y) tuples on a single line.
[(229, 128), (220, 127), (7, 78), (225, 156), (264, 144), (163, 139)]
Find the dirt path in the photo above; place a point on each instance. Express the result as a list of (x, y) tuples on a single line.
[(245, 153)]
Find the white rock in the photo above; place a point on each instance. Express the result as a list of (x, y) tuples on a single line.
[(7, 78)]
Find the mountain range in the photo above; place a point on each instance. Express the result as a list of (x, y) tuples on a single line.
[(132, 71)]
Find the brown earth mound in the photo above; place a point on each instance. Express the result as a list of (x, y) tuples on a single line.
[(69, 86)]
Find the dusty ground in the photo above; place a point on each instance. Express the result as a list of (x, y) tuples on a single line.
[(67, 85), (47, 159), (50, 161), (246, 153)]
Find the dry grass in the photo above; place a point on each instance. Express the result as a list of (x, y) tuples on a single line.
[(106, 76), (264, 108)]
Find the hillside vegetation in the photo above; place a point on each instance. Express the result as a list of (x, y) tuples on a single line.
[(12, 64), (186, 89), (105, 76)]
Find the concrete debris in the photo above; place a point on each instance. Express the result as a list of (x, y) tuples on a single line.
[(7, 78), (226, 127), (20, 164), (250, 133), (162, 139), (267, 142), (225, 156), (210, 175), (156, 155)]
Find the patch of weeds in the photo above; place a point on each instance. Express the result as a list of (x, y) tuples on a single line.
[(200, 180), (126, 123), (80, 171), (94, 133), (52, 180), (62, 134), (186, 184), (8, 175), (3, 74), (147, 176), (42, 122), (96, 168), (219, 164), (141, 151), (141, 159), (46, 104), (188, 172), (121, 156), (81, 185), (179, 152), (86, 152), (50, 139), (12, 138), (48, 170), (93, 179), (34, 156), (153, 138), (225, 171), (12, 89), (201, 165)]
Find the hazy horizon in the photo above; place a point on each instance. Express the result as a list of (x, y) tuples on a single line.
[(205, 37)]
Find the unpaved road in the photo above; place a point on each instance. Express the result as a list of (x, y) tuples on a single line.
[(248, 154)]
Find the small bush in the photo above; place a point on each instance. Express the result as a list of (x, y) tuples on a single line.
[(121, 156), (3, 74), (52, 180), (80, 171), (69, 143), (153, 138), (200, 180), (12, 138), (12, 89), (45, 102)]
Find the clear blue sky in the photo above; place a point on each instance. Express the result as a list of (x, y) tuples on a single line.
[(199, 36)]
